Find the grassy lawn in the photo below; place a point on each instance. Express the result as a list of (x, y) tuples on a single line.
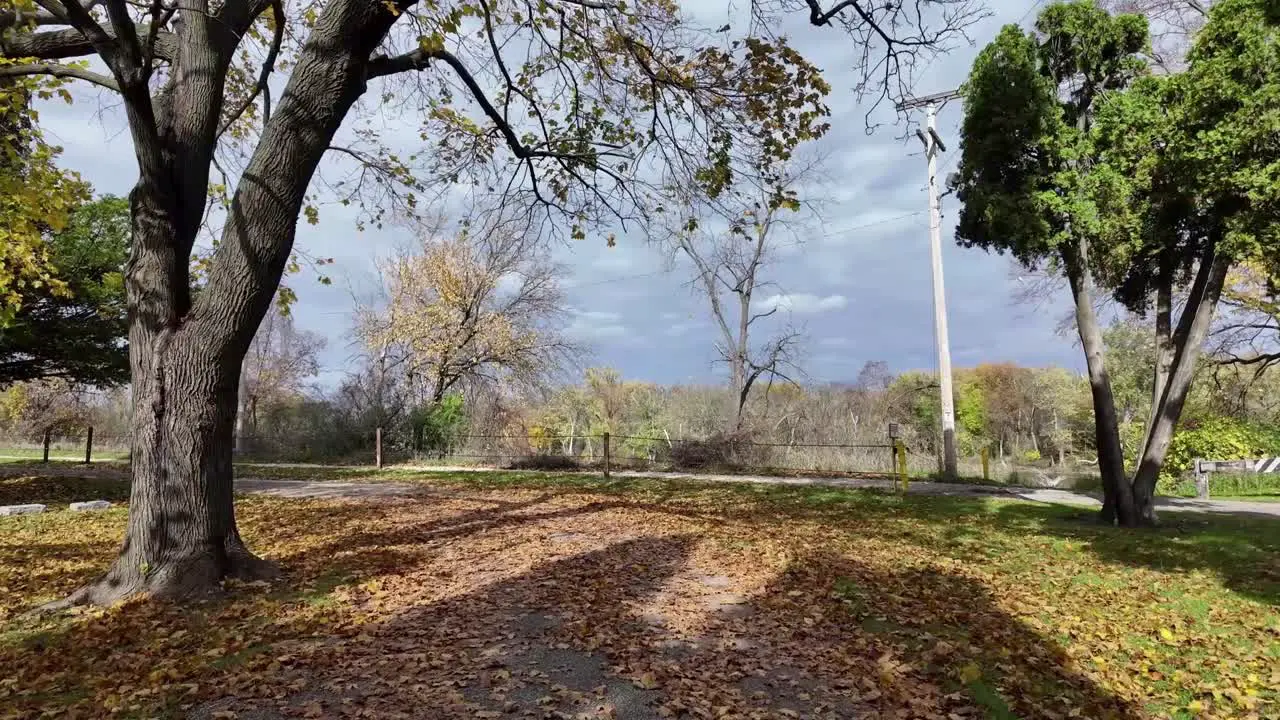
[(704, 600), (24, 454)]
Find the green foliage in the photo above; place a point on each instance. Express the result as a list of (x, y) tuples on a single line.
[(75, 329), (36, 196), (1024, 171), (971, 416), (436, 427), (1197, 154), (1216, 439)]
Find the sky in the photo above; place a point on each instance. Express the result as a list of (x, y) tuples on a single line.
[(858, 283)]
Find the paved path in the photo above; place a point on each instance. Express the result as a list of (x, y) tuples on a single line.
[(325, 488), (328, 489)]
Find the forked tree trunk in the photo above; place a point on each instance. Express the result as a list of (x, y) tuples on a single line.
[(186, 357), (1193, 329), (1117, 503)]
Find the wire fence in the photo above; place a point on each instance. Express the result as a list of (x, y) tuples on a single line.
[(567, 452)]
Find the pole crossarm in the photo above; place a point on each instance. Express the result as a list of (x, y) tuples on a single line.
[(925, 100)]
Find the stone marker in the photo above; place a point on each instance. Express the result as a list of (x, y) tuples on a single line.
[(21, 509), (91, 505)]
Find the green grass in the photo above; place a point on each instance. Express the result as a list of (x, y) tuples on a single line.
[(1232, 485), (1274, 498), (997, 579), (65, 453)]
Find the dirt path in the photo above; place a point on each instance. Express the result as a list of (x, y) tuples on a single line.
[(302, 488)]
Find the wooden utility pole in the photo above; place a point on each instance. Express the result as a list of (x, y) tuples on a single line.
[(932, 145)]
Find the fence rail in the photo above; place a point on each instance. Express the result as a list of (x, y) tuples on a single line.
[(603, 452)]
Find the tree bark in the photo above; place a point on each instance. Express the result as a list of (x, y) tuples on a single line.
[(1117, 504), (1164, 332), (1193, 328), (182, 538)]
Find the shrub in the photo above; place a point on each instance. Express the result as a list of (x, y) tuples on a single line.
[(723, 451), (1215, 439), (544, 462)]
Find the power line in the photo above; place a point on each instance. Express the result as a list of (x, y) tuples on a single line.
[(845, 231)]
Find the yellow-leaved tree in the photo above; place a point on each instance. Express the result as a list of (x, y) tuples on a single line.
[(36, 196), (474, 307)]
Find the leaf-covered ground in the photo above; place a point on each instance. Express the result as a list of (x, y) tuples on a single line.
[(536, 596)]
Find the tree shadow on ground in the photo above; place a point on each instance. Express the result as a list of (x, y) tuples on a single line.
[(58, 490), (1244, 552), (534, 621), (587, 636)]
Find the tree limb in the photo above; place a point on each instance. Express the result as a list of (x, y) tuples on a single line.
[(70, 43), (60, 71), (420, 58), (126, 30), (160, 16), (818, 17), (9, 18), (268, 67), (80, 19)]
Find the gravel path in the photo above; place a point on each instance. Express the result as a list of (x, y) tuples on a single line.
[(302, 488)]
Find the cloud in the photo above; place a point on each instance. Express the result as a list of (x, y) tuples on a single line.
[(595, 325), (644, 317), (803, 303)]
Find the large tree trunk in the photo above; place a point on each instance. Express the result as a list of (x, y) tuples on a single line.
[(182, 538), (1193, 328), (1117, 504)]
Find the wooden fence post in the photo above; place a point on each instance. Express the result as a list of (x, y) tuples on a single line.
[(1202, 480), (606, 455), (902, 464), (46, 445), (88, 446), (893, 448), (377, 450)]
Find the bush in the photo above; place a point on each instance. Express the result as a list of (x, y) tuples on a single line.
[(545, 462), (1214, 439), (717, 451)]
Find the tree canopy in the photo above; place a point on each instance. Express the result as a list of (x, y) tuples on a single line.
[(1075, 159), (36, 196), (74, 325)]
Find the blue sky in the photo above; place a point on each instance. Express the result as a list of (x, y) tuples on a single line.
[(859, 283)]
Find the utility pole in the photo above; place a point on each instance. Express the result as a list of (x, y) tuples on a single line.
[(932, 145)]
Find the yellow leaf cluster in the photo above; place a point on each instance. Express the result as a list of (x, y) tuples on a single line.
[(36, 196)]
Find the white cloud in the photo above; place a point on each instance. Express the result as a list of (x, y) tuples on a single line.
[(596, 316), (803, 303), (594, 325), (680, 328)]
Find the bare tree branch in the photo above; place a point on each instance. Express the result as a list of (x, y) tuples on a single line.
[(126, 31)]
